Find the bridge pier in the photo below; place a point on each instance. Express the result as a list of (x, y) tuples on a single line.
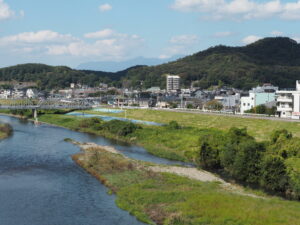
[(35, 116)]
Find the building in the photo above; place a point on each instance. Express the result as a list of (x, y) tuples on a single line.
[(260, 95), (173, 83), (288, 102), (31, 93), (229, 101)]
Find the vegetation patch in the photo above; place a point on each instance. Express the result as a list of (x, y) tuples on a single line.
[(5, 130), (164, 198)]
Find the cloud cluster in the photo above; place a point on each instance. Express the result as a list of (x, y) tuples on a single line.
[(178, 45), (105, 7), (240, 9), (105, 44), (5, 11)]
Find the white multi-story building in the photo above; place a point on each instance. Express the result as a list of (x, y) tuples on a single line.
[(173, 83), (259, 96), (288, 102)]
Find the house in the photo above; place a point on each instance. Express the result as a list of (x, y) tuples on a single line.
[(288, 102), (31, 93), (229, 101), (258, 96)]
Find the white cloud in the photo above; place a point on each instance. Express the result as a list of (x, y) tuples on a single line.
[(105, 7), (100, 34), (5, 11), (106, 46), (250, 39), (184, 39), (181, 44), (223, 34), (37, 37), (276, 33), (240, 9), (296, 39)]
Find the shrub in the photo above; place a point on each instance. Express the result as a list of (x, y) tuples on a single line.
[(121, 128), (90, 122), (280, 135), (6, 128), (174, 125), (273, 174)]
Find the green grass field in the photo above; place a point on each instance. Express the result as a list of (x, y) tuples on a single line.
[(170, 199), (259, 128)]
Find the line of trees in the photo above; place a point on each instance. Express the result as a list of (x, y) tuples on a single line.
[(273, 165)]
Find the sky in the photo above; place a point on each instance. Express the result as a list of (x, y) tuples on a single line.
[(71, 32)]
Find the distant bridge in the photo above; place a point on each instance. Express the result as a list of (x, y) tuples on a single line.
[(49, 104), (23, 104)]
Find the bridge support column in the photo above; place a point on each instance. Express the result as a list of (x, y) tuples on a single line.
[(35, 116)]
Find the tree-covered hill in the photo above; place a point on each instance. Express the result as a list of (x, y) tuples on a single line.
[(270, 60), (274, 60), (54, 77)]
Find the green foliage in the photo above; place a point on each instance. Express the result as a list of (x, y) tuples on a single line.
[(275, 60), (262, 109), (214, 105), (174, 125), (280, 135), (164, 198), (121, 128), (273, 174), (5, 130)]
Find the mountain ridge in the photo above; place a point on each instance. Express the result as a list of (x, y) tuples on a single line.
[(269, 60)]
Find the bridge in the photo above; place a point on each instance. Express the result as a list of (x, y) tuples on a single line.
[(45, 104)]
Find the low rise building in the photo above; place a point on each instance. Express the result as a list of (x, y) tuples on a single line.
[(288, 102), (260, 95)]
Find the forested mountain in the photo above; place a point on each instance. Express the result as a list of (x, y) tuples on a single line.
[(270, 60), (274, 60)]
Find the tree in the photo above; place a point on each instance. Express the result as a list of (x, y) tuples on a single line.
[(208, 157), (214, 105), (273, 174)]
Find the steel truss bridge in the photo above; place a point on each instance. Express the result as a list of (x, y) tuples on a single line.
[(47, 104)]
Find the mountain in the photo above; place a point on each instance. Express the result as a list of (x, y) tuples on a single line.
[(55, 77), (119, 66), (270, 60)]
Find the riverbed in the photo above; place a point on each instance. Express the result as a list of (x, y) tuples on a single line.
[(41, 185)]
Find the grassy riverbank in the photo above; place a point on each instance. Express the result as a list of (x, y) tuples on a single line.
[(166, 198), (259, 128), (167, 141), (5, 130)]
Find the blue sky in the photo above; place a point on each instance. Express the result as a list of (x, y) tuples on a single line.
[(70, 32)]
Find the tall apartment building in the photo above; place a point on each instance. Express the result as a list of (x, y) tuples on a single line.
[(288, 102), (173, 83)]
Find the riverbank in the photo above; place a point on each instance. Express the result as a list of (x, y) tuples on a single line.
[(175, 195), (259, 128)]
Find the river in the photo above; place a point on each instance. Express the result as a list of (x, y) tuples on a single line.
[(41, 185)]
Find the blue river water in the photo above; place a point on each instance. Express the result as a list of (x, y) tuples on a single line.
[(41, 185), (108, 118)]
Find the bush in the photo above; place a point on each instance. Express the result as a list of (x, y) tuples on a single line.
[(280, 135), (121, 128), (90, 122), (174, 125), (6, 128), (208, 157), (246, 166), (273, 174)]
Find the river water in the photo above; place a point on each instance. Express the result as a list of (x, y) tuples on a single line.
[(41, 185)]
